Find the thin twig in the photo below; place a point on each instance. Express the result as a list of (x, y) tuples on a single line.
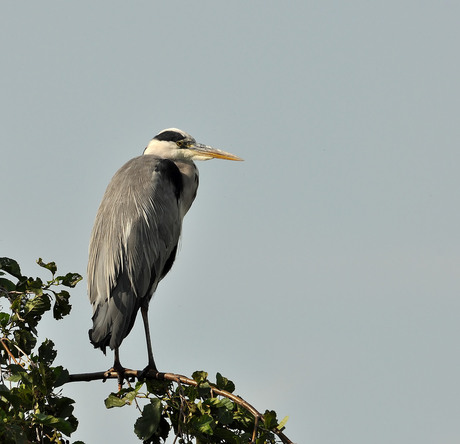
[(9, 352)]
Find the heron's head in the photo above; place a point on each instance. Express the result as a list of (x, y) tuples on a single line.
[(175, 144)]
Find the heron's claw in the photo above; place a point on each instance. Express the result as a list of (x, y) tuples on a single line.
[(107, 374), (149, 371), (120, 371)]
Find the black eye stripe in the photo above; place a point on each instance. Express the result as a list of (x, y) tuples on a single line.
[(170, 136)]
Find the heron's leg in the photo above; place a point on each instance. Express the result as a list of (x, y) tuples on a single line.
[(116, 362), (151, 365), (117, 367)]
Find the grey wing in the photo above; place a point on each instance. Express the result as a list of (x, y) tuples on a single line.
[(133, 244)]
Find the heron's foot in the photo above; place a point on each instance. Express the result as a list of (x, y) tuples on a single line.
[(149, 371), (119, 370)]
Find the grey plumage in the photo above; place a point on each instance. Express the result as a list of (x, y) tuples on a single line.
[(129, 249), (137, 228)]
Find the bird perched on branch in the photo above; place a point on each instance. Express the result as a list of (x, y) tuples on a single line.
[(134, 239)]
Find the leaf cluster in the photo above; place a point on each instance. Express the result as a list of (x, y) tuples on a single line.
[(195, 413), (31, 407)]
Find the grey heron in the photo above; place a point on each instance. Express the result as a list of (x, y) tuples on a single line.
[(135, 235)]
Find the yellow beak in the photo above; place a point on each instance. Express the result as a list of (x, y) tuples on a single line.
[(208, 152)]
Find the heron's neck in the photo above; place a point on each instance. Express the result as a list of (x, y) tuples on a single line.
[(190, 178)]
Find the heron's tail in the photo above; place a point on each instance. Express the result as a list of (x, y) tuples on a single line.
[(113, 320)]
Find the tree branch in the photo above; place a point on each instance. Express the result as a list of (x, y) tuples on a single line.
[(179, 379)]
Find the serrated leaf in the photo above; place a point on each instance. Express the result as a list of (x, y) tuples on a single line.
[(51, 266), (10, 266), (149, 421)]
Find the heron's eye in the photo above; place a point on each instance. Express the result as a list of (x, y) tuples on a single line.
[(181, 143)]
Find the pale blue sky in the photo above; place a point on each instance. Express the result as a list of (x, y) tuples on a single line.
[(321, 274)]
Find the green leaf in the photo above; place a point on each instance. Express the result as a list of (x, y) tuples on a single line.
[(114, 400), (204, 424), (130, 396), (46, 352), (157, 387), (7, 395), (243, 417), (204, 390), (149, 421), (24, 340), (230, 437), (61, 376), (35, 285), (224, 383), (10, 266), (70, 279), (4, 319), (223, 408), (227, 403), (16, 372), (270, 419), (7, 284), (123, 397), (51, 266), (58, 423), (64, 406), (36, 307), (225, 416), (189, 391), (282, 423), (200, 376), (62, 306)]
